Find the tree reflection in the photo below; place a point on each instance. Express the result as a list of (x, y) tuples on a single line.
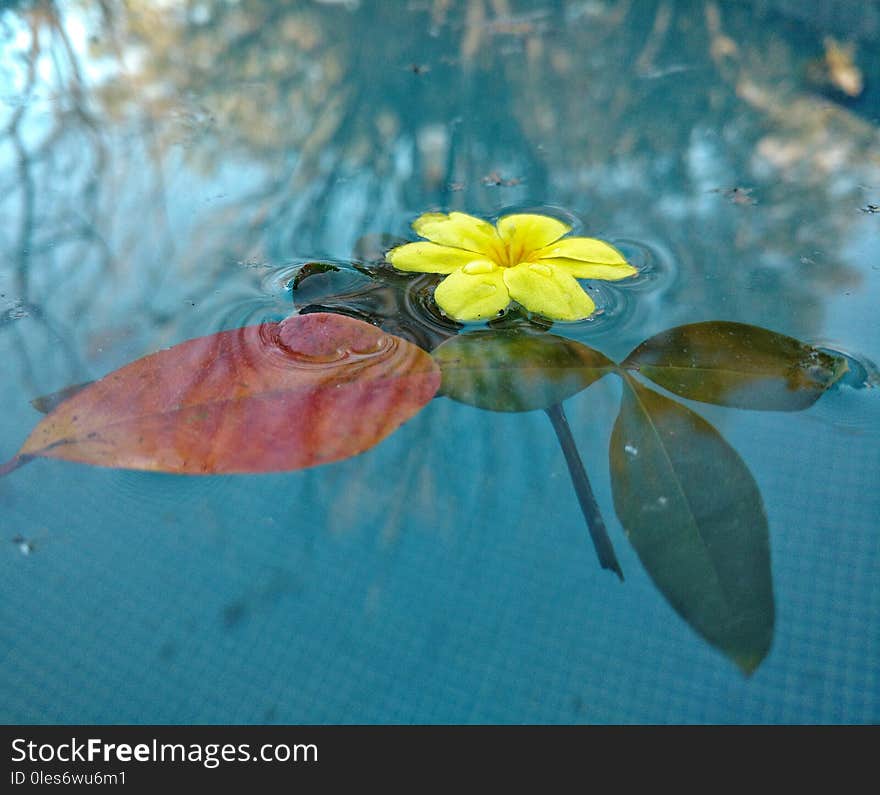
[(150, 145)]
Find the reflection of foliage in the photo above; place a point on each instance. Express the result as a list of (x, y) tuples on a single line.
[(317, 122), (40, 238), (228, 79), (655, 143)]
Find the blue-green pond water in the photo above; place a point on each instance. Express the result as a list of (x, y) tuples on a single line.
[(167, 168)]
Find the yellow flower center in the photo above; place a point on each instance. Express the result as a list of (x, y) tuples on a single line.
[(516, 253), (508, 254)]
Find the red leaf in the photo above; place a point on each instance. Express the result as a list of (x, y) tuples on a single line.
[(279, 396)]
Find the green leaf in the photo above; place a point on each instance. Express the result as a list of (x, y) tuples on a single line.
[(516, 369), (693, 512), (734, 364)]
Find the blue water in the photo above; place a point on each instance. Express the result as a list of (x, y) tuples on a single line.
[(162, 175)]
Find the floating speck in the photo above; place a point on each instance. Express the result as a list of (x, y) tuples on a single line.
[(24, 545)]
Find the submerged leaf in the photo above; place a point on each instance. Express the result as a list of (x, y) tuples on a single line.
[(277, 396), (516, 369), (380, 296), (310, 269), (734, 364), (694, 514)]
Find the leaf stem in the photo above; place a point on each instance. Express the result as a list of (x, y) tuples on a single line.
[(581, 483)]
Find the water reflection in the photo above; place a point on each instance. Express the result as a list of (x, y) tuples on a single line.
[(236, 134), (164, 166)]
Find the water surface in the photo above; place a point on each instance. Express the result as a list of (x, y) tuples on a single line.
[(164, 173)]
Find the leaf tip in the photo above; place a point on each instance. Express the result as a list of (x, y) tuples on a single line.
[(12, 464), (748, 663), (615, 567)]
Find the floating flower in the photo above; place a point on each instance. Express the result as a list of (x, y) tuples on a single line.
[(523, 258)]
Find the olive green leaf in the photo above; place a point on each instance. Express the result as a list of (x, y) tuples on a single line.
[(516, 369), (734, 364), (694, 514)]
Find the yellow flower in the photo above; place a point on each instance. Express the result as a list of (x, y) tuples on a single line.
[(523, 258)]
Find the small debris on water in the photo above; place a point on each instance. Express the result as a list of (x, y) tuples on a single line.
[(25, 546), (737, 195), (495, 180)]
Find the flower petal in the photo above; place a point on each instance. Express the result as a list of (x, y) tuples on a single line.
[(592, 270), (524, 233), (474, 292), (586, 249), (427, 257), (548, 290), (460, 231)]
